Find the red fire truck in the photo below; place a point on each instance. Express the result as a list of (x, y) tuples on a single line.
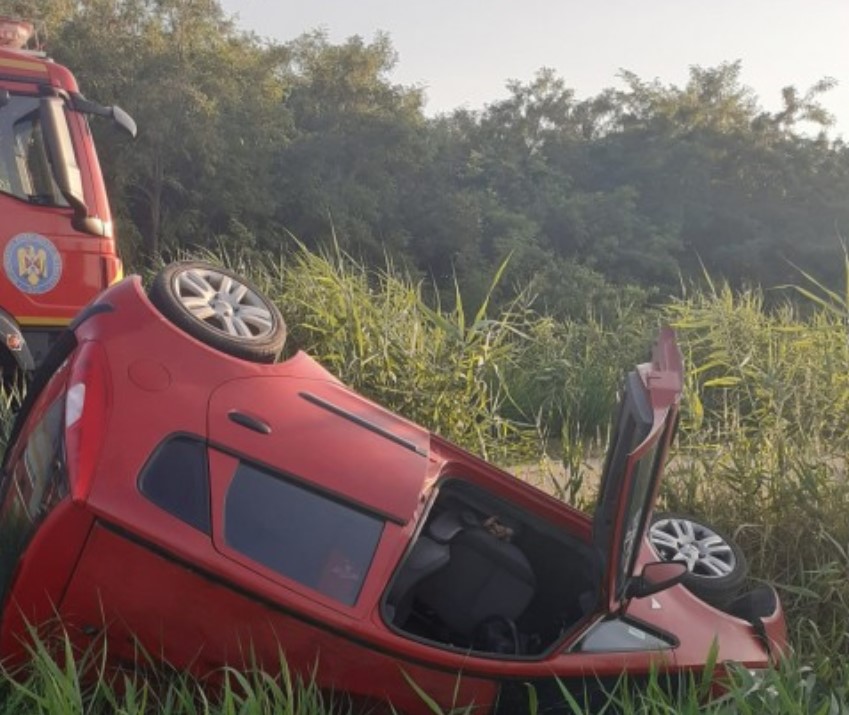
[(56, 232)]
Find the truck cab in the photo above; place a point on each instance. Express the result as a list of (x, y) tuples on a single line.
[(56, 232)]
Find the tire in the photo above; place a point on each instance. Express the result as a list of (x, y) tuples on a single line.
[(716, 565), (221, 309)]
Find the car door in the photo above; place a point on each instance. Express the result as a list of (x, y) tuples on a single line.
[(592, 663), (645, 424), (312, 488)]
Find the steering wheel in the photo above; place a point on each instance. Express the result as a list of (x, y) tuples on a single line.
[(497, 634)]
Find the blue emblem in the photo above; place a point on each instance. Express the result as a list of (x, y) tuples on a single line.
[(32, 263)]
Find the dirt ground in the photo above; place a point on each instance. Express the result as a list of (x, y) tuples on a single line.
[(578, 488)]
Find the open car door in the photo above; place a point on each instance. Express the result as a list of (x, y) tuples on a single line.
[(644, 428)]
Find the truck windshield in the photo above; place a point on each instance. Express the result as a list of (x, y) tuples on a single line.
[(25, 170)]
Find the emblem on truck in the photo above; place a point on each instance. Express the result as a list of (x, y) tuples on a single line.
[(32, 263)]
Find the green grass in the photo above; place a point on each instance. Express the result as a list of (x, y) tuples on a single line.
[(53, 683), (762, 449), (57, 680)]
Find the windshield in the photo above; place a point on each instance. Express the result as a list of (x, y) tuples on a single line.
[(25, 170)]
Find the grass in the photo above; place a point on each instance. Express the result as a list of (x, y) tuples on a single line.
[(52, 683), (762, 450), (59, 680)]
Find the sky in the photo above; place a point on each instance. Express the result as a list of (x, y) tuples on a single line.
[(462, 52)]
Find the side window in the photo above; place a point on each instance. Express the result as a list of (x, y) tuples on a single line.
[(25, 169), (317, 541), (44, 463), (35, 484), (632, 426), (620, 635), (643, 481), (175, 479)]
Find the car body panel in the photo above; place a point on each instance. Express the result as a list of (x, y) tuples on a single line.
[(323, 432), (215, 621)]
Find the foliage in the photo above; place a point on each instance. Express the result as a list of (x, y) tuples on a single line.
[(764, 445), (373, 329), (62, 680), (242, 140), (59, 680)]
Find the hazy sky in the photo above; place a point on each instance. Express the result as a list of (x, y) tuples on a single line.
[(463, 51)]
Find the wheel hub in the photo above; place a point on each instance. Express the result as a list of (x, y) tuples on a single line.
[(222, 307), (688, 551)]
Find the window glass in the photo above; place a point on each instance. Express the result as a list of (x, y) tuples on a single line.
[(300, 534), (24, 163), (619, 635), (36, 483), (642, 483), (176, 480)]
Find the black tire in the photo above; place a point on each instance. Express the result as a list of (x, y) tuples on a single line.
[(717, 567), (220, 308)]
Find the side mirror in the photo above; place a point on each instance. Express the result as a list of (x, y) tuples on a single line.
[(124, 120), (115, 113), (656, 576)]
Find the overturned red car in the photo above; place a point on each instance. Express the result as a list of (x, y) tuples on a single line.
[(167, 484)]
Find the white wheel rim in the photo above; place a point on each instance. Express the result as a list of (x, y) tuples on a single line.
[(223, 303), (704, 551)]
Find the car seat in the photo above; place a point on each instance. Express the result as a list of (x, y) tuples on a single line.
[(485, 577)]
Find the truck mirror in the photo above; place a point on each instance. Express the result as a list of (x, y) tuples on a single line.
[(115, 113), (124, 120)]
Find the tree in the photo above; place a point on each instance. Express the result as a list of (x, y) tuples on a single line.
[(358, 139), (207, 100)]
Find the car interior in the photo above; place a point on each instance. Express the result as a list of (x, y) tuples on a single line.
[(486, 576)]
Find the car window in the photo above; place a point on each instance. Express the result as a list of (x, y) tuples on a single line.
[(642, 483), (176, 479), (36, 483), (632, 426), (317, 541), (620, 635)]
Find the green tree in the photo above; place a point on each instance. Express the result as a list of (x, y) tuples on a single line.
[(358, 138), (208, 102)]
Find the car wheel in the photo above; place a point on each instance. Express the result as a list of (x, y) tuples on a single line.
[(716, 566), (221, 309)]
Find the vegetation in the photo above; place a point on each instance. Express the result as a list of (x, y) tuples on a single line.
[(598, 200), (52, 684)]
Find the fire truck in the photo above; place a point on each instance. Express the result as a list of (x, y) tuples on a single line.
[(56, 232)]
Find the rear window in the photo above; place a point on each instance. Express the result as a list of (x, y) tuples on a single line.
[(303, 535), (35, 484)]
